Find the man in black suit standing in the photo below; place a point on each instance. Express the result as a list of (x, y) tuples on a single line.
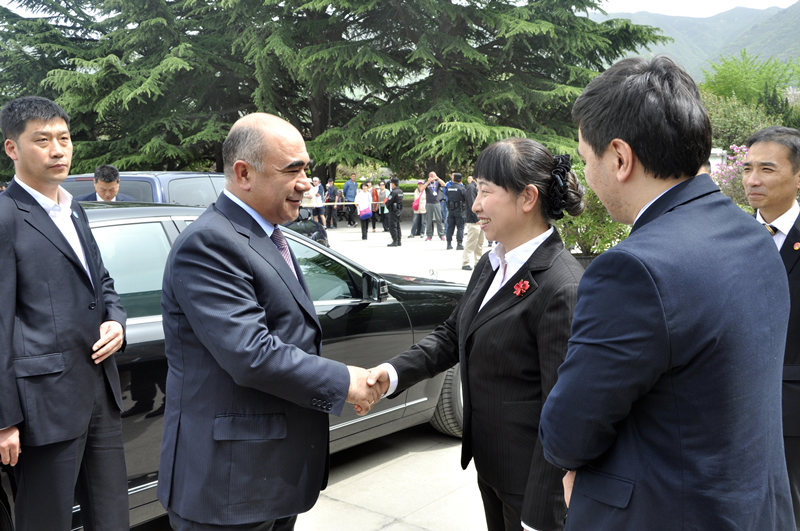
[(248, 394), (60, 323), (771, 180), (456, 205), (106, 186), (395, 205)]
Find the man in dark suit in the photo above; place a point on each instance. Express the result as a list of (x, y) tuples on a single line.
[(771, 179), (667, 406), (394, 204), (457, 204), (60, 322), (248, 395), (106, 186)]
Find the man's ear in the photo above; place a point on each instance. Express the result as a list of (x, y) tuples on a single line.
[(11, 149), (624, 159), (242, 176)]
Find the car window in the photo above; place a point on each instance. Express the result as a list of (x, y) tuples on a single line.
[(194, 191), (135, 255), (139, 190), (79, 188), (219, 183), (326, 278)]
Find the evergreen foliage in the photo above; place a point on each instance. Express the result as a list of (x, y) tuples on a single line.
[(414, 84)]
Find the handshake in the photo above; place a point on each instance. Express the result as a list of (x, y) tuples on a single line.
[(366, 387)]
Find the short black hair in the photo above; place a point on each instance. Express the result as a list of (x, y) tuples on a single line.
[(16, 114), (788, 137), (106, 173), (395, 181), (655, 107), (457, 177)]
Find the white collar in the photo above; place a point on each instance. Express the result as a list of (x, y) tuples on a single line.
[(785, 221), (263, 223), (64, 203), (516, 258)]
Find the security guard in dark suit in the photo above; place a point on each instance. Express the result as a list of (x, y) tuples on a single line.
[(456, 203), (395, 205)]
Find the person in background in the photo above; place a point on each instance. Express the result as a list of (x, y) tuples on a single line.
[(473, 240), (319, 200), (106, 186), (456, 201), (374, 191), (418, 222), (364, 208), (434, 191), (771, 178), (383, 212), (349, 191), (330, 206), (509, 332), (667, 408), (395, 205)]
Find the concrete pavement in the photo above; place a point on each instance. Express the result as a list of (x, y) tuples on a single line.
[(415, 257)]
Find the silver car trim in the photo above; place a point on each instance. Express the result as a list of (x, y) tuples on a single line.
[(372, 416)]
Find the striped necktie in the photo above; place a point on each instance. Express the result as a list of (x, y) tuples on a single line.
[(772, 229), (283, 248)]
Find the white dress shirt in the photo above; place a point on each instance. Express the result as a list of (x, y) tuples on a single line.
[(61, 212), (784, 224)]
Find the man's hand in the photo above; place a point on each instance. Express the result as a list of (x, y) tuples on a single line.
[(360, 394), (9, 446), (568, 481), (379, 379), (111, 336)]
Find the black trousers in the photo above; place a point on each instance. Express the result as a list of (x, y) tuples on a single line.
[(91, 468), (282, 524), (364, 228), (330, 216), (394, 227), (791, 446), (455, 220), (503, 510)]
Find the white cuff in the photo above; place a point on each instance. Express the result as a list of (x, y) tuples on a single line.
[(392, 377)]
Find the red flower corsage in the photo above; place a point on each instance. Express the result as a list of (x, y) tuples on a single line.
[(521, 287)]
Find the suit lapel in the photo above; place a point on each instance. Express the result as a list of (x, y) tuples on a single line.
[(679, 194), (35, 216), (789, 253), (264, 247), (506, 297)]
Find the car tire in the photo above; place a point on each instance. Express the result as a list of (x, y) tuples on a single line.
[(449, 415)]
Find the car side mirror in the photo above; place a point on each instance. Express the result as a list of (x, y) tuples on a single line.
[(374, 288)]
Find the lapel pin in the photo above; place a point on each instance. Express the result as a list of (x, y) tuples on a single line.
[(521, 287), (796, 246)]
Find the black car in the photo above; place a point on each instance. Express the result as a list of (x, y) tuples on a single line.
[(365, 319), (184, 188)]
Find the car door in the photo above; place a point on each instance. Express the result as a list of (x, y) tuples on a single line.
[(356, 330), (135, 251)]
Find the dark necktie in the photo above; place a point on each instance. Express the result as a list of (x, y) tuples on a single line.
[(283, 248), (772, 229)]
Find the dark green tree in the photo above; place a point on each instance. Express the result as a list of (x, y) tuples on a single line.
[(152, 84)]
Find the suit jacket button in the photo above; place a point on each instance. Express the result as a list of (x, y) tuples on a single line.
[(92, 305)]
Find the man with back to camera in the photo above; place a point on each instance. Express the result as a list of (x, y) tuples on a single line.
[(60, 323), (457, 201), (106, 186), (245, 438), (667, 406), (394, 204), (771, 179)]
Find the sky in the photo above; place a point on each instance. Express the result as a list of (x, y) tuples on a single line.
[(688, 8)]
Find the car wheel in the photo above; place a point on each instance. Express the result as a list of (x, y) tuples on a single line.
[(449, 415)]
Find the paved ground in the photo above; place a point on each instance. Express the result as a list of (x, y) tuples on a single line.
[(415, 256)]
